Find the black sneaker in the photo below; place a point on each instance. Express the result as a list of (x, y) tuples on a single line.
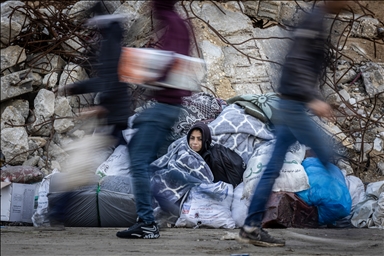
[(258, 236), (140, 230)]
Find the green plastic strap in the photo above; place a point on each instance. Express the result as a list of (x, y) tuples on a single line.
[(97, 204)]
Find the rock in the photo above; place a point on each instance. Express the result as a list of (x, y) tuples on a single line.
[(213, 56), (11, 56), (38, 141), (44, 104), (21, 105), (365, 27), (63, 110), (245, 76), (343, 93), (344, 165), (365, 146), (291, 14), (31, 161), (11, 117), (50, 80), (345, 76), (373, 77), (80, 10), (55, 165), (138, 23), (45, 63), (229, 23), (74, 46), (14, 145), (44, 109), (16, 84), (378, 144), (380, 166), (56, 153), (41, 163), (330, 96), (37, 80), (284, 12), (272, 50), (11, 26), (62, 139), (72, 73)]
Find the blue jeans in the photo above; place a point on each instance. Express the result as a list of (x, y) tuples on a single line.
[(294, 125), (154, 125)]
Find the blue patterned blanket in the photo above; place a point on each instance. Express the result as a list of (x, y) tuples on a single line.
[(181, 168)]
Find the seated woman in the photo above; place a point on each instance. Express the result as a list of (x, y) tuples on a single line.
[(225, 164), (199, 138)]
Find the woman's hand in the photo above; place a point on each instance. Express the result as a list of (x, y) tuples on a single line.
[(320, 108), (95, 111)]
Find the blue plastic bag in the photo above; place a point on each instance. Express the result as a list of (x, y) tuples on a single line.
[(328, 191)]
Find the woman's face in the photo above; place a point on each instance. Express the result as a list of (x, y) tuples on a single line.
[(196, 140)]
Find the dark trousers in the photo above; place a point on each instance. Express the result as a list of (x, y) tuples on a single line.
[(294, 125)]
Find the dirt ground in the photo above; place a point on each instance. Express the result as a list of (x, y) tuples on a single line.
[(24, 240)]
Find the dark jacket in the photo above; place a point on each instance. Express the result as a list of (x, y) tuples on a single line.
[(305, 60), (114, 95), (206, 136), (175, 39)]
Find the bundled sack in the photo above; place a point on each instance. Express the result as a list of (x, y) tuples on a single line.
[(357, 191), (40, 216), (81, 210), (116, 209), (146, 66), (226, 165), (116, 203), (84, 159), (117, 163), (239, 207), (208, 205), (80, 204), (292, 178), (369, 213), (285, 210), (328, 191), (21, 174)]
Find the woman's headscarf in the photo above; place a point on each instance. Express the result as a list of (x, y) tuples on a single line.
[(206, 136)]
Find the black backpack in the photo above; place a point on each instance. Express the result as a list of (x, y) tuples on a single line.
[(225, 164)]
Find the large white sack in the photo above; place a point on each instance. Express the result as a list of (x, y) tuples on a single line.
[(364, 211), (117, 164), (84, 158), (40, 217), (378, 215), (292, 178), (356, 189), (208, 205), (239, 207)]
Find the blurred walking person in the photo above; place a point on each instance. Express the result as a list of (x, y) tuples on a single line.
[(115, 107), (301, 71), (154, 124)]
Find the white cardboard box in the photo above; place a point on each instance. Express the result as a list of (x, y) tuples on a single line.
[(17, 202)]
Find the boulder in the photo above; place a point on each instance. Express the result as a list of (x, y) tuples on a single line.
[(11, 56), (14, 145), (45, 63), (12, 20), (16, 84)]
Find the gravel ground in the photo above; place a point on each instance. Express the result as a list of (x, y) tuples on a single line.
[(26, 240)]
